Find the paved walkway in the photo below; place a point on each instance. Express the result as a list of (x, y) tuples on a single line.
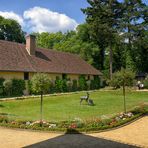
[(135, 134)]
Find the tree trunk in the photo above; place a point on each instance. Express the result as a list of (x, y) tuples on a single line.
[(111, 62), (124, 97), (101, 60), (41, 109)]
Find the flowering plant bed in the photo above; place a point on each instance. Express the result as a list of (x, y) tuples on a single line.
[(77, 124)]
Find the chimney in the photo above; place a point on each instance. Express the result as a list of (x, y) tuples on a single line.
[(30, 44)]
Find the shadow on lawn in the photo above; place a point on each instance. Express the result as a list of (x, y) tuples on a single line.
[(78, 140)]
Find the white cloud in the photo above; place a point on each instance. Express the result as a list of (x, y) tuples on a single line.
[(12, 15), (39, 19), (44, 20)]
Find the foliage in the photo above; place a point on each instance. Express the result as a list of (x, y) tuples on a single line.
[(40, 83), (8, 87), (74, 85), (11, 30), (59, 85), (103, 18), (134, 28), (95, 84), (65, 88), (18, 86), (1, 86), (1, 81), (82, 83), (146, 83), (123, 77), (14, 87), (48, 40)]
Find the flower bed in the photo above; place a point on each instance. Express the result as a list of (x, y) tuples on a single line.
[(77, 124)]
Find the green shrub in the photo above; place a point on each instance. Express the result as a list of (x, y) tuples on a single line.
[(69, 85), (1, 86), (59, 85), (64, 86), (95, 84), (140, 109), (8, 87), (1, 81), (82, 83), (74, 85), (30, 87), (146, 83), (52, 87), (18, 86)]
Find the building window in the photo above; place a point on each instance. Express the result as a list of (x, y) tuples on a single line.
[(26, 75), (64, 76), (88, 78)]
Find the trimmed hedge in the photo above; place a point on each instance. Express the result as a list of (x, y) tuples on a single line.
[(82, 83), (95, 84), (60, 85), (1, 86), (14, 87), (17, 87)]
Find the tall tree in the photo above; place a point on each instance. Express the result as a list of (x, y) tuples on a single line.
[(11, 30), (133, 26), (102, 17)]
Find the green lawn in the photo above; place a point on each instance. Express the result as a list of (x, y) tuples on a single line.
[(67, 107)]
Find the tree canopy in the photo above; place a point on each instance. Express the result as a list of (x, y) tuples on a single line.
[(10, 30), (40, 83)]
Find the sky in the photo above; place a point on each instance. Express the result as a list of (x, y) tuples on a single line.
[(45, 15)]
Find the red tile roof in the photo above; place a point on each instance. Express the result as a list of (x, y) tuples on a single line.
[(14, 57)]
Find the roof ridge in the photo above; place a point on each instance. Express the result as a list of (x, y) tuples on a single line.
[(11, 42), (57, 51), (52, 50)]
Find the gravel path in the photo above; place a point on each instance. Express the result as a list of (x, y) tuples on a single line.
[(135, 133), (132, 135)]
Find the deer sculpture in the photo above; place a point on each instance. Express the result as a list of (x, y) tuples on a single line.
[(87, 99)]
